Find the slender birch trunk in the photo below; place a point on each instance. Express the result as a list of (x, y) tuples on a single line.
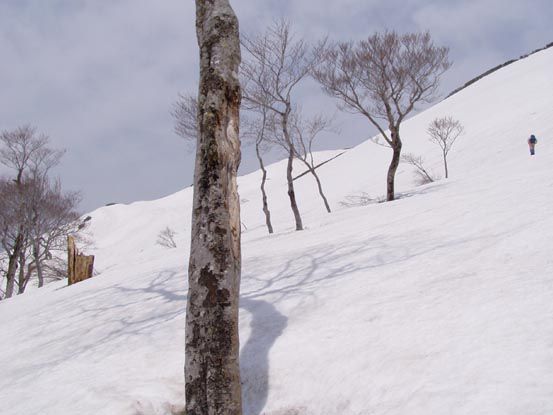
[(320, 187), (289, 168), (212, 373), (266, 210)]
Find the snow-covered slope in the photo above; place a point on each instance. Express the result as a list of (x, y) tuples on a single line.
[(437, 303)]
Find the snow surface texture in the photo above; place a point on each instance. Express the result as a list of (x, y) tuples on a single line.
[(438, 303)]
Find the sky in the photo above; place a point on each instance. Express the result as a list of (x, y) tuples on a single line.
[(100, 76)]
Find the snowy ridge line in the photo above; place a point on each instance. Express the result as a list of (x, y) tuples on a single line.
[(496, 68)]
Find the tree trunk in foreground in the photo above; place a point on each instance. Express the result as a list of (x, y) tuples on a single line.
[(212, 373)]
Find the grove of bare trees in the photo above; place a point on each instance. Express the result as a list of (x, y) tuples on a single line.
[(35, 214), (276, 62)]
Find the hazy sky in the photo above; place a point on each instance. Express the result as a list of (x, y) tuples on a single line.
[(100, 76)]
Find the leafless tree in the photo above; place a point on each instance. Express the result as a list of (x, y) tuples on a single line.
[(276, 63), (212, 373), (28, 154), (185, 114), (256, 129), (166, 238), (43, 215), (422, 174), (383, 78), (444, 132), (51, 216), (304, 133)]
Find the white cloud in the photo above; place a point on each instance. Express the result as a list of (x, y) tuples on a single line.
[(100, 76)]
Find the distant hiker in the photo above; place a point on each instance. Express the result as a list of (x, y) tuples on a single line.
[(532, 144)]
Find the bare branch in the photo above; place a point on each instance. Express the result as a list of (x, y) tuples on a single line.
[(185, 112)]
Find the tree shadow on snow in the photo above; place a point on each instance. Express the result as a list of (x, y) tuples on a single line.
[(266, 325)]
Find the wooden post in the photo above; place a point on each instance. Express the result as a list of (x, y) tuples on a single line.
[(79, 267)]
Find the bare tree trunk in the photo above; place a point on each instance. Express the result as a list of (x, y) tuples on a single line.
[(445, 165), (289, 177), (22, 284), (292, 193), (266, 210), (12, 265), (38, 264), (396, 157), (212, 373), (319, 186)]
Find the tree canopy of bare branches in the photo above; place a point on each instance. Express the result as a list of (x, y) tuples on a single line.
[(444, 132), (276, 62), (185, 113), (383, 78)]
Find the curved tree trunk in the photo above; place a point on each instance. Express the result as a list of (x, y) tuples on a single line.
[(396, 157), (266, 210), (319, 186), (445, 166), (212, 373), (289, 177), (12, 265)]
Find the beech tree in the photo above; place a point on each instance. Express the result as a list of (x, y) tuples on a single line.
[(383, 78), (212, 375), (303, 133), (29, 156), (276, 63), (444, 132)]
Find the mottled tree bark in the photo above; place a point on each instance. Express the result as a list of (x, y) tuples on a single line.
[(212, 372)]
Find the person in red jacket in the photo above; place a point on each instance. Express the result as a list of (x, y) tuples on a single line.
[(532, 141)]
